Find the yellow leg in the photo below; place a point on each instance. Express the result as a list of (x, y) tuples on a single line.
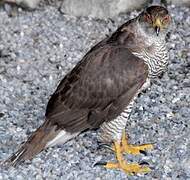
[(121, 164), (133, 149)]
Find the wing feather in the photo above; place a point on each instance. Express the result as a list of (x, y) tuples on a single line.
[(97, 89)]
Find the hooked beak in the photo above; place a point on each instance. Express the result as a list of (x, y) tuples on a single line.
[(157, 29), (157, 25)]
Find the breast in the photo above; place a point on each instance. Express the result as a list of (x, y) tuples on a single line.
[(156, 57), (158, 62)]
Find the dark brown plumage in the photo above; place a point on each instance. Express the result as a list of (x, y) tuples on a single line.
[(100, 87), (97, 89)]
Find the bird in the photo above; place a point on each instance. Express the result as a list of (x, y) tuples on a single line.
[(100, 91)]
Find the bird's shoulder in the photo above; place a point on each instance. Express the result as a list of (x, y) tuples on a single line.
[(105, 56), (103, 73)]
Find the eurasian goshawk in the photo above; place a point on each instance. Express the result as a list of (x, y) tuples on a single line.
[(101, 89)]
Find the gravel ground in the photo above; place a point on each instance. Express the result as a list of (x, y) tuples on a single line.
[(38, 48)]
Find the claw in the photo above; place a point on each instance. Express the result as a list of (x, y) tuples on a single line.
[(100, 163), (143, 152), (143, 163), (122, 164), (123, 147)]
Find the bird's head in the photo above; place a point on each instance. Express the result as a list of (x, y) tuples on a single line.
[(155, 20)]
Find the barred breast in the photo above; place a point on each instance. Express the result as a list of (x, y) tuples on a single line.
[(157, 59)]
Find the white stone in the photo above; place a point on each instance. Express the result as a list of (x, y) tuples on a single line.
[(99, 8)]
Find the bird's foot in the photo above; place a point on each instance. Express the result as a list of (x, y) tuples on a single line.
[(123, 147), (133, 149), (133, 168)]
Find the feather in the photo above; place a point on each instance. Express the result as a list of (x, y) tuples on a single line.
[(61, 138), (34, 145)]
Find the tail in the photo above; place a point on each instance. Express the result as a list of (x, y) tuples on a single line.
[(45, 136)]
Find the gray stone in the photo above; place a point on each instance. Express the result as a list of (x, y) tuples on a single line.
[(99, 8), (108, 8), (31, 4)]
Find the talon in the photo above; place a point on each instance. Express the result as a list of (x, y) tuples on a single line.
[(123, 147), (143, 152), (100, 163), (143, 163), (122, 164)]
